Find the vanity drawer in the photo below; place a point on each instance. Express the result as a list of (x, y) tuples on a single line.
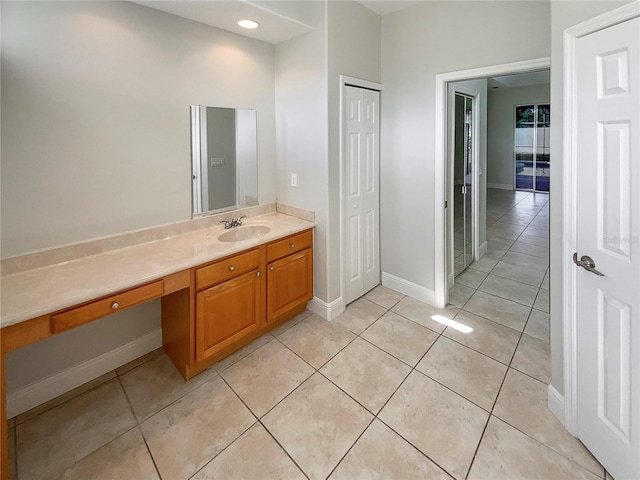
[(106, 306), (289, 245), (226, 269)]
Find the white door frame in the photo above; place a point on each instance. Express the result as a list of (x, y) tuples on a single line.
[(441, 154), (346, 80), (569, 213), (475, 181)]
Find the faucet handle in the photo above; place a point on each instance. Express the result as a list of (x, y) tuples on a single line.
[(239, 220), (227, 224)]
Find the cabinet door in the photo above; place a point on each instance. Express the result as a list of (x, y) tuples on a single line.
[(226, 312), (289, 283)]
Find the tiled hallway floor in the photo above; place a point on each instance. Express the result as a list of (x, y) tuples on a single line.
[(392, 389)]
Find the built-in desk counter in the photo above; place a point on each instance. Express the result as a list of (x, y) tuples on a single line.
[(196, 313)]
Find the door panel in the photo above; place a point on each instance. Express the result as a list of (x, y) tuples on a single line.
[(608, 230), (361, 199)]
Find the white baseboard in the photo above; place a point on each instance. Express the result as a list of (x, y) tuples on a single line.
[(55, 385), (555, 402), (500, 186), (408, 288), (483, 249), (328, 311)]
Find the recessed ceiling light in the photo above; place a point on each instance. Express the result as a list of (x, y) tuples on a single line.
[(248, 24)]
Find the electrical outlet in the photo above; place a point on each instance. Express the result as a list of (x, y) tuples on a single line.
[(294, 179)]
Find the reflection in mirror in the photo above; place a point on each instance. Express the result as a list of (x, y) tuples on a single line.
[(224, 163)]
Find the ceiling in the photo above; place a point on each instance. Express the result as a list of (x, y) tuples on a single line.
[(384, 7), (519, 80), (224, 14)]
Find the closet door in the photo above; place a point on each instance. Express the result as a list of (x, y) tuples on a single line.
[(361, 161)]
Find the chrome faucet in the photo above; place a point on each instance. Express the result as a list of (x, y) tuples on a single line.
[(234, 222)]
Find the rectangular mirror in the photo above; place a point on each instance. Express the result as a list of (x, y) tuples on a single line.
[(224, 159)]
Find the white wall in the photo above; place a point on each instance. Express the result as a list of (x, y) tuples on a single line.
[(564, 14), (500, 129), (301, 132), (354, 43), (418, 43), (95, 136)]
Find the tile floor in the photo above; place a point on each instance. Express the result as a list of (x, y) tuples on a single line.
[(393, 389)]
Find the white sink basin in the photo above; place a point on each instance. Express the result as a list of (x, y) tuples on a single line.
[(246, 232)]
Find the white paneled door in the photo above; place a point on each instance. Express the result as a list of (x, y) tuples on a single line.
[(608, 230), (361, 160)]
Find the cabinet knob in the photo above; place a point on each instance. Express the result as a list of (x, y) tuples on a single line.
[(115, 306), (232, 268), (257, 274), (271, 268), (293, 245)]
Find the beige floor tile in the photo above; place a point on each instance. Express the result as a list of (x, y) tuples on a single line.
[(266, 376), (188, 433), (533, 357), (65, 397), (316, 425), (382, 454), (471, 278), (125, 458), (542, 301), (156, 383), (509, 290), (366, 373), (52, 442), (523, 404), (424, 314), (500, 310), (545, 281), (290, 323), (11, 448), (499, 244), (492, 339), (467, 372), (400, 337), (505, 453), (485, 264), (139, 361), (541, 251), (316, 340), (538, 325), (255, 455), (359, 315), (383, 296), (527, 261), (238, 355), (447, 432), (534, 240), (459, 295), (518, 273), (506, 231)]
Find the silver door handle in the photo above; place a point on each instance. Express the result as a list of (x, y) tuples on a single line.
[(587, 263)]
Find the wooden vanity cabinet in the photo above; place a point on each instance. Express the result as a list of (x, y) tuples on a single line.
[(289, 275), (231, 305), (236, 299)]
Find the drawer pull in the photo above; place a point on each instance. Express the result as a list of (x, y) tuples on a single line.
[(232, 268), (115, 306), (257, 274), (293, 245), (271, 268)]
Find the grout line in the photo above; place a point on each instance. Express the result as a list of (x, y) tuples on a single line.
[(138, 425)]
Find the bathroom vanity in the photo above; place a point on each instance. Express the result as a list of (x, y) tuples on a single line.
[(219, 289)]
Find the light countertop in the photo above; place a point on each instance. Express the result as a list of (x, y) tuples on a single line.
[(40, 291)]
